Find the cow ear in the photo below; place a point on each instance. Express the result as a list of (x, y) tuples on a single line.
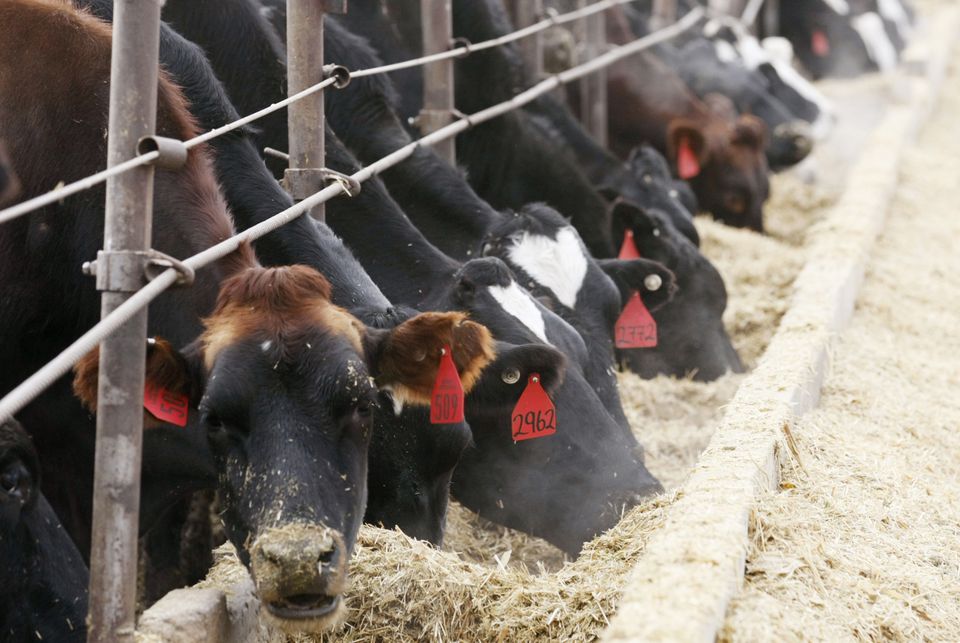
[(655, 282), (405, 359), (751, 132), (627, 215), (687, 147), (166, 368)]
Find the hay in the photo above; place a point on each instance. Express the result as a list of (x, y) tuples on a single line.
[(862, 541)]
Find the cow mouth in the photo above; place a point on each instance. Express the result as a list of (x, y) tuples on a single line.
[(301, 607)]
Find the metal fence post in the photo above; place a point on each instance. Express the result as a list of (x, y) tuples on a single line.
[(129, 205), (593, 88), (305, 116), (664, 13), (525, 13), (438, 101)]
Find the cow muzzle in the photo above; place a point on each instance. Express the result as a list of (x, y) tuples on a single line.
[(300, 571)]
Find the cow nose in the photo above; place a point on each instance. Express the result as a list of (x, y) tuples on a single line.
[(300, 570)]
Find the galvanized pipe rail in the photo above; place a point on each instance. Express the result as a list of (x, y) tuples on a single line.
[(22, 395), (134, 71)]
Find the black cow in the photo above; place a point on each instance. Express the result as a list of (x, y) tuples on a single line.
[(44, 593), (310, 369)]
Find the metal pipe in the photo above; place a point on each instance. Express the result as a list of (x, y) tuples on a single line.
[(593, 89), (305, 117), (770, 20), (436, 18), (526, 13), (129, 205)]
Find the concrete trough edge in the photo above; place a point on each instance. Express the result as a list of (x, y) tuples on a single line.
[(694, 566)]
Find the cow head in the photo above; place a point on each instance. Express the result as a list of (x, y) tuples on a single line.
[(691, 335), (286, 385), (565, 487), (724, 160)]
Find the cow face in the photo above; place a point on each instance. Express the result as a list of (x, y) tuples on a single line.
[(44, 594), (287, 389), (691, 335), (565, 487), (724, 160)]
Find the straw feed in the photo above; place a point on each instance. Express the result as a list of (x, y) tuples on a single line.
[(863, 540)]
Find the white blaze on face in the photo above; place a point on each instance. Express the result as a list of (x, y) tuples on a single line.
[(519, 304), (558, 264), (874, 36), (893, 11)]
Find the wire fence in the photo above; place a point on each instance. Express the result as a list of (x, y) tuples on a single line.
[(33, 386)]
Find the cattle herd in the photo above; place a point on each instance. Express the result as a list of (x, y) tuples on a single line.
[(307, 367)]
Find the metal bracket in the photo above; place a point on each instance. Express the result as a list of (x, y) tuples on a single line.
[(305, 182), (173, 153), (340, 73), (130, 270)]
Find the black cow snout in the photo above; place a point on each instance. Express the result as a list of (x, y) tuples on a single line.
[(300, 571)]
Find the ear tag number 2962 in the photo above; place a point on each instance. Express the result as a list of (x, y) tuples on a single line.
[(446, 401), (534, 416)]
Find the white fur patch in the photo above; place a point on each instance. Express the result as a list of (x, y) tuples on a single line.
[(879, 47), (558, 264), (519, 304)]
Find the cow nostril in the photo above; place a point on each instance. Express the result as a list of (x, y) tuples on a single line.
[(327, 557)]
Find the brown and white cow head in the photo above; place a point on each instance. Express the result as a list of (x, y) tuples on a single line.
[(286, 386)]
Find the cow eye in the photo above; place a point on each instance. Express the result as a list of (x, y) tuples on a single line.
[(212, 421), (364, 409), (15, 480)]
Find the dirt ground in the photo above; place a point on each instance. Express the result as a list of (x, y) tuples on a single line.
[(862, 540)]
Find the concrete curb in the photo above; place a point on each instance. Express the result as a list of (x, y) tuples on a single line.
[(693, 567)]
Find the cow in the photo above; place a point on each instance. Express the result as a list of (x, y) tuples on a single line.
[(721, 154), (282, 380), (44, 593), (843, 39), (413, 272)]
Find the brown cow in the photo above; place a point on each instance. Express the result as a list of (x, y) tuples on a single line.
[(719, 153), (9, 185), (281, 382)]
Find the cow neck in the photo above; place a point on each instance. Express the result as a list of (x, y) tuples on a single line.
[(393, 252)]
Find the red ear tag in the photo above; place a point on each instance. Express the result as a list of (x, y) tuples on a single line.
[(446, 401), (820, 43), (636, 327), (165, 405), (534, 416), (687, 164), (629, 248)]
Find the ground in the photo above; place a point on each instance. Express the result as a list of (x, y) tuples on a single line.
[(862, 540)]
